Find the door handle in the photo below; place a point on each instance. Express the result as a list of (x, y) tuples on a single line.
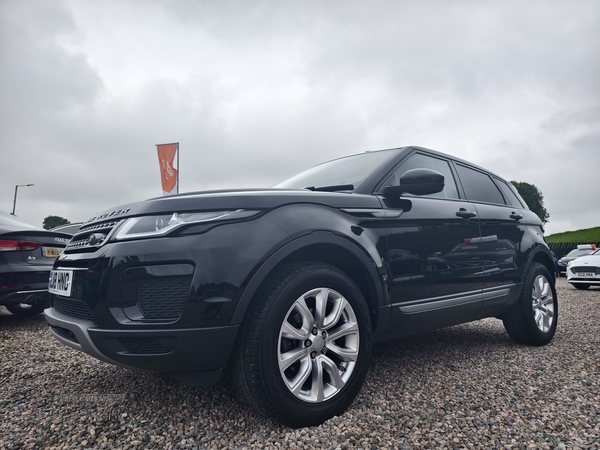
[(465, 214), (516, 216)]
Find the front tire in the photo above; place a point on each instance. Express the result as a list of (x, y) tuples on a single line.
[(305, 349), (533, 319)]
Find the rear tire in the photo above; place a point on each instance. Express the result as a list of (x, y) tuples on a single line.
[(581, 287), (305, 347), (533, 319)]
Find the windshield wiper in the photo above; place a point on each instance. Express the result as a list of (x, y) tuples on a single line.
[(333, 188)]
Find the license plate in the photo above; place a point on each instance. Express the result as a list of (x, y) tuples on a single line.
[(52, 252), (586, 274), (60, 282)]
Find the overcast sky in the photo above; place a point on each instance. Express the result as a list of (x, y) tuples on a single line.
[(255, 91)]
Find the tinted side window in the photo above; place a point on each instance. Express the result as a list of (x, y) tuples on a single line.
[(509, 195), (479, 187), (419, 161)]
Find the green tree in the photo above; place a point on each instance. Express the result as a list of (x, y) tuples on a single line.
[(533, 197), (54, 221)]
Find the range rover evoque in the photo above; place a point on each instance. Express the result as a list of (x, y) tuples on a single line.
[(290, 286)]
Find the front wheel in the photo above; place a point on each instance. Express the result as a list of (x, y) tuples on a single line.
[(533, 319), (305, 350)]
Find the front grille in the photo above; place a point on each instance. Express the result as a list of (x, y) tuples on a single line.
[(148, 345), (583, 269), (81, 241), (73, 308), (163, 298)]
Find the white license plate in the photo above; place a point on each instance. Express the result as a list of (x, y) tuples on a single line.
[(60, 282), (586, 274)]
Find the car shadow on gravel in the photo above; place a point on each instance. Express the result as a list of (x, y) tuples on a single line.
[(461, 338), (9, 321)]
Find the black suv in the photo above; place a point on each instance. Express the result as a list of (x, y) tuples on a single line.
[(290, 286)]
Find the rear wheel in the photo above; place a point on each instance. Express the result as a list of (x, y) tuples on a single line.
[(305, 350), (580, 286), (533, 319)]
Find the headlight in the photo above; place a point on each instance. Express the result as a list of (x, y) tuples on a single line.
[(151, 226)]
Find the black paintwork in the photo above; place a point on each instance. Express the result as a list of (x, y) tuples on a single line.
[(422, 263)]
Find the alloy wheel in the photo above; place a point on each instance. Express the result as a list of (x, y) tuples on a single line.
[(318, 345), (542, 301)]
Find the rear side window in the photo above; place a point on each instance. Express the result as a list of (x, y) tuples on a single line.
[(509, 195), (478, 186)]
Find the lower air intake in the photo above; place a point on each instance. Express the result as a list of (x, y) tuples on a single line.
[(163, 298)]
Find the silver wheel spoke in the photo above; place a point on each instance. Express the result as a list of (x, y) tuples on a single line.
[(307, 317), (316, 390), (295, 385), (291, 357), (290, 332), (320, 306), (339, 305), (334, 373), (544, 287), (546, 321), (346, 329), (345, 353)]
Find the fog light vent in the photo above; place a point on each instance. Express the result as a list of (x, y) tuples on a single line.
[(163, 298)]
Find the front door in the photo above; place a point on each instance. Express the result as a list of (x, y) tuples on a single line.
[(433, 255)]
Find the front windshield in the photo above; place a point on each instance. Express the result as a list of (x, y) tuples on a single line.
[(13, 221), (349, 170)]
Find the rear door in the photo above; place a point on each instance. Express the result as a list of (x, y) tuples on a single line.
[(502, 232)]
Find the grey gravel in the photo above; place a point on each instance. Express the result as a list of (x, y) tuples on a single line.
[(468, 386)]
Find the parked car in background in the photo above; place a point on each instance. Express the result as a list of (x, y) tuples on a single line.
[(584, 271), (70, 228), (290, 286), (581, 250), (26, 257)]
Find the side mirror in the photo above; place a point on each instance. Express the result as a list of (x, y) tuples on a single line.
[(417, 182)]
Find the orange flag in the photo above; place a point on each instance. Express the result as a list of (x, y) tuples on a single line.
[(168, 174)]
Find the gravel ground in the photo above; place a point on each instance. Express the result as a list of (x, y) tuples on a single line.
[(467, 386)]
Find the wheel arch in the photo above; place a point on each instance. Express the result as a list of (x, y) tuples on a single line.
[(542, 255), (326, 247)]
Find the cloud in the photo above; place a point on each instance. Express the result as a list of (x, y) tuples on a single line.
[(256, 91)]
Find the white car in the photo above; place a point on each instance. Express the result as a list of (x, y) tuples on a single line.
[(581, 250), (584, 271)]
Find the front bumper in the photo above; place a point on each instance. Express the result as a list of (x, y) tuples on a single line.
[(576, 278), (196, 356)]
